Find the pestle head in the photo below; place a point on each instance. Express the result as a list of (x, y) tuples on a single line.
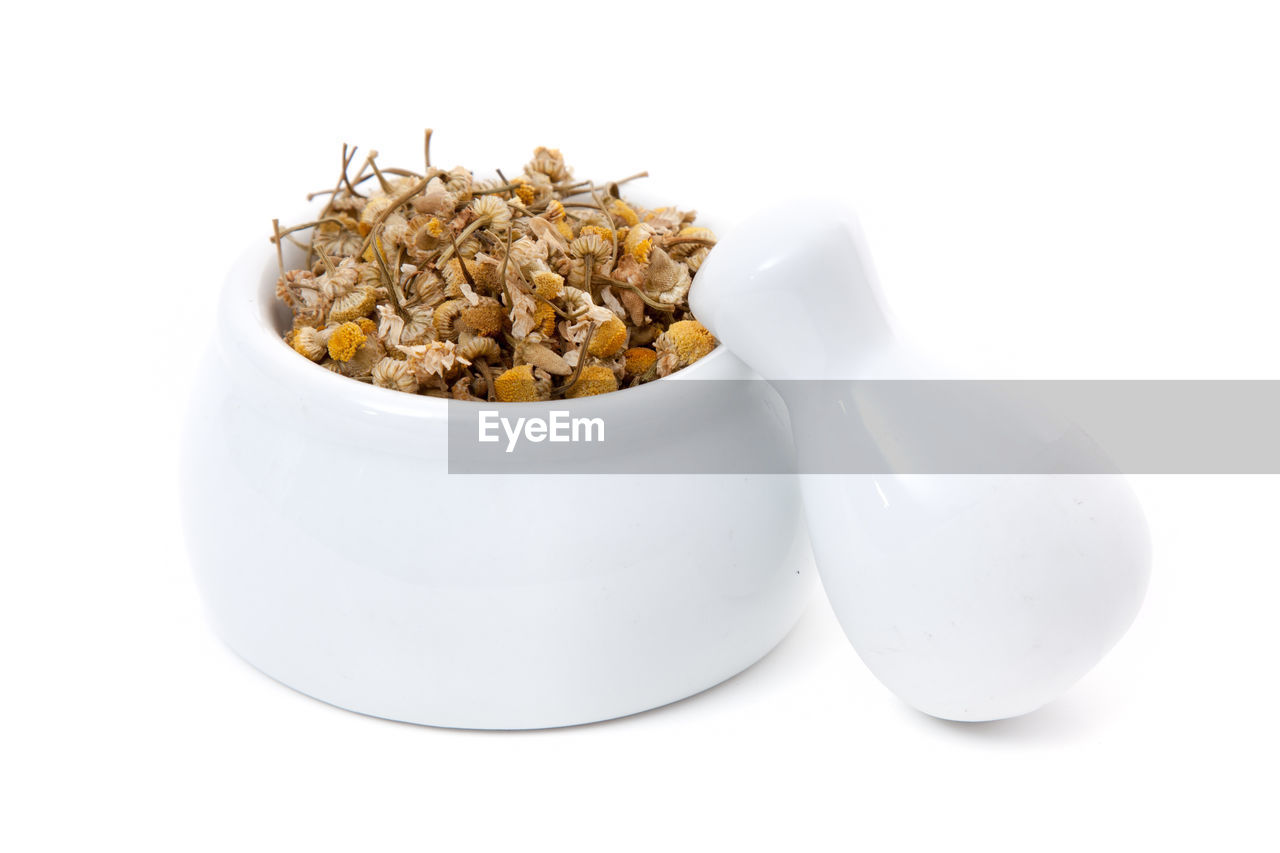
[(797, 272)]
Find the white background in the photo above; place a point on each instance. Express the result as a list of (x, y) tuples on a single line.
[(1076, 190)]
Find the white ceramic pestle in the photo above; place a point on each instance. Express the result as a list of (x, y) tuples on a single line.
[(972, 597)]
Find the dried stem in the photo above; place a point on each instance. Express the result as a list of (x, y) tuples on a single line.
[(613, 228), (391, 285), (346, 161), (502, 276), (476, 224), (426, 151), (644, 297), (342, 178), (395, 205), (554, 307), (582, 360), (591, 186), (305, 225), (483, 367), (373, 162), (500, 189), (629, 178), (275, 226), (360, 179), (462, 262), (324, 259), (328, 205)]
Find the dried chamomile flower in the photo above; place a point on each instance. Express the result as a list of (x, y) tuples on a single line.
[(638, 360), (487, 272), (340, 238), (592, 216), (555, 210), (584, 313), (425, 235), (311, 342), (606, 235), (339, 342), (490, 186), (548, 234), (461, 390), (611, 301), (682, 344), (529, 255), (639, 242), (486, 318), (419, 325), (623, 211), (592, 254), (517, 385), (609, 338), (668, 279), (548, 285), (475, 348), (298, 290), (525, 192), (630, 271), (534, 191), (357, 303), (373, 208), (590, 245), (390, 326), (361, 363), (544, 319), (437, 358), (445, 318), (347, 203), (426, 286), (664, 220), (394, 230), (397, 375), (548, 162), (437, 199), (459, 182), (340, 281), (292, 284), (691, 245), (524, 313), (486, 211), (393, 329), (493, 209), (594, 379), (345, 340), (458, 280), (644, 335)]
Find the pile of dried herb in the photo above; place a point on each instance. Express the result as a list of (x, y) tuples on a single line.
[(528, 288)]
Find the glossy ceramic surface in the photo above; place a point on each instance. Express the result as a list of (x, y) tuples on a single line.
[(971, 597), (336, 554)]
